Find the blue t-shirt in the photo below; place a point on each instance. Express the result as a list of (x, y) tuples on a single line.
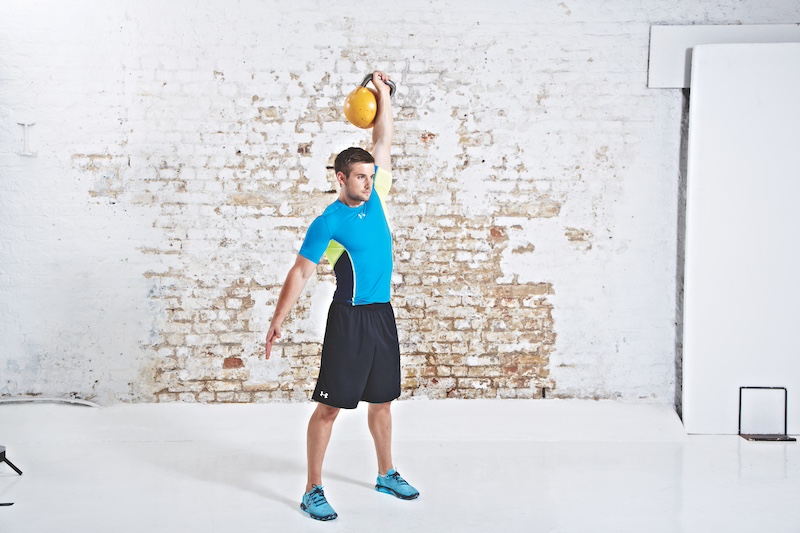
[(358, 244)]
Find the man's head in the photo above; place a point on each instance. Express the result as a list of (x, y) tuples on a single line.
[(355, 170), (347, 158)]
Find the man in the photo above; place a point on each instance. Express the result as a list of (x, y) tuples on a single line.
[(360, 352)]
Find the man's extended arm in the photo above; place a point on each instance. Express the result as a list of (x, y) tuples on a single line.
[(383, 129), (296, 280)]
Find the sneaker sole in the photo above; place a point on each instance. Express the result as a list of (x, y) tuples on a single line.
[(387, 490), (315, 517)]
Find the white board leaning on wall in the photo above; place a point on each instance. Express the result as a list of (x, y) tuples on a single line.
[(742, 284)]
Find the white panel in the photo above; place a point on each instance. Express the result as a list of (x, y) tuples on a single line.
[(742, 286), (671, 47)]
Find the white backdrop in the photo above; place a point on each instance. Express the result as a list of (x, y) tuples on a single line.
[(742, 219)]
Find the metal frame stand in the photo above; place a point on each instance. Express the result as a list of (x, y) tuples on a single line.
[(768, 437), (4, 459)]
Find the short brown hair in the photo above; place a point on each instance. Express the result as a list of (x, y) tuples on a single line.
[(347, 158)]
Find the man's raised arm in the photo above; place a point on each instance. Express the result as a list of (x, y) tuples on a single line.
[(383, 129)]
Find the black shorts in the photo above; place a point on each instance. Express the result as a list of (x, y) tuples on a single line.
[(360, 356)]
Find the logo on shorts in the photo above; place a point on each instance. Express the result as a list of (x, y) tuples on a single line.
[(323, 394)]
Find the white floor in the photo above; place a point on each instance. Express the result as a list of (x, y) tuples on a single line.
[(532, 466)]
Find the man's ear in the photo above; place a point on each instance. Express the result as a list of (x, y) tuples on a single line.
[(340, 177)]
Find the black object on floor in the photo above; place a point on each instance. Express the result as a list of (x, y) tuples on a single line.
[(763, 436), (4, 459)]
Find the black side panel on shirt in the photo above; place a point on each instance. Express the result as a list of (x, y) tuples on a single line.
[(344, 279)]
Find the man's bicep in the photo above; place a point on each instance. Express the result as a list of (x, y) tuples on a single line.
[(382, 153), (305, 266)]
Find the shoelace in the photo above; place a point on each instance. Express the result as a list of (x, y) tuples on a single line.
[(398, 479), (317, 497)]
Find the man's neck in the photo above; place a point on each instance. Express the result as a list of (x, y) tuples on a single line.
[(349, 202)]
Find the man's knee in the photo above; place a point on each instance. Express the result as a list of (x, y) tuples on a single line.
[(327, 413), (380, 407)]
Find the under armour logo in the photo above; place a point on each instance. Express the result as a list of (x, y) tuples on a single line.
[(362, 215), (323, 394)]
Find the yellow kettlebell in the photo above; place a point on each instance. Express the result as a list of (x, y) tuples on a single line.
[(361, 105)]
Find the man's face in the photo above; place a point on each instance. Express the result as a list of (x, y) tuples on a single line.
[(358, 185)]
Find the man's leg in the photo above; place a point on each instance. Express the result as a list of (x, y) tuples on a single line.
[(380, 425), (389, 480), (319, 434)]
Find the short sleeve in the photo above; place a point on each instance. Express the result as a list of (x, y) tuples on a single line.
[(383, 182), (317, 238)]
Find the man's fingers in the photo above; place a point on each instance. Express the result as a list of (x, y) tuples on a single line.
[(380, 76), (272, 334)]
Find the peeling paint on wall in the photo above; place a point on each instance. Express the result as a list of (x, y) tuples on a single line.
[(534, 205)]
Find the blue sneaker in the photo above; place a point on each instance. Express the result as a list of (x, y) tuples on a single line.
[(317, 507), (393, 483)]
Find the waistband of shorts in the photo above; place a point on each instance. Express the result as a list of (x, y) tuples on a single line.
[(363, 307)]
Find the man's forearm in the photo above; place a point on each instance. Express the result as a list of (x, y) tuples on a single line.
[(383, 129), (295, 281), (292, 287)]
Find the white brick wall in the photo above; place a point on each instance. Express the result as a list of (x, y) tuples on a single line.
[(182, 150)]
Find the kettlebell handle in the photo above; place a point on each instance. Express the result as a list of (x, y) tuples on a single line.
[(390, 83)]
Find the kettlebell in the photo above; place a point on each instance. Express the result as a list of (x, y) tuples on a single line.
[(361, 105)]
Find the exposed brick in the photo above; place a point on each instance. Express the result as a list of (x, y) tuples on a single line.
[(528, 206), (232, 362)]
